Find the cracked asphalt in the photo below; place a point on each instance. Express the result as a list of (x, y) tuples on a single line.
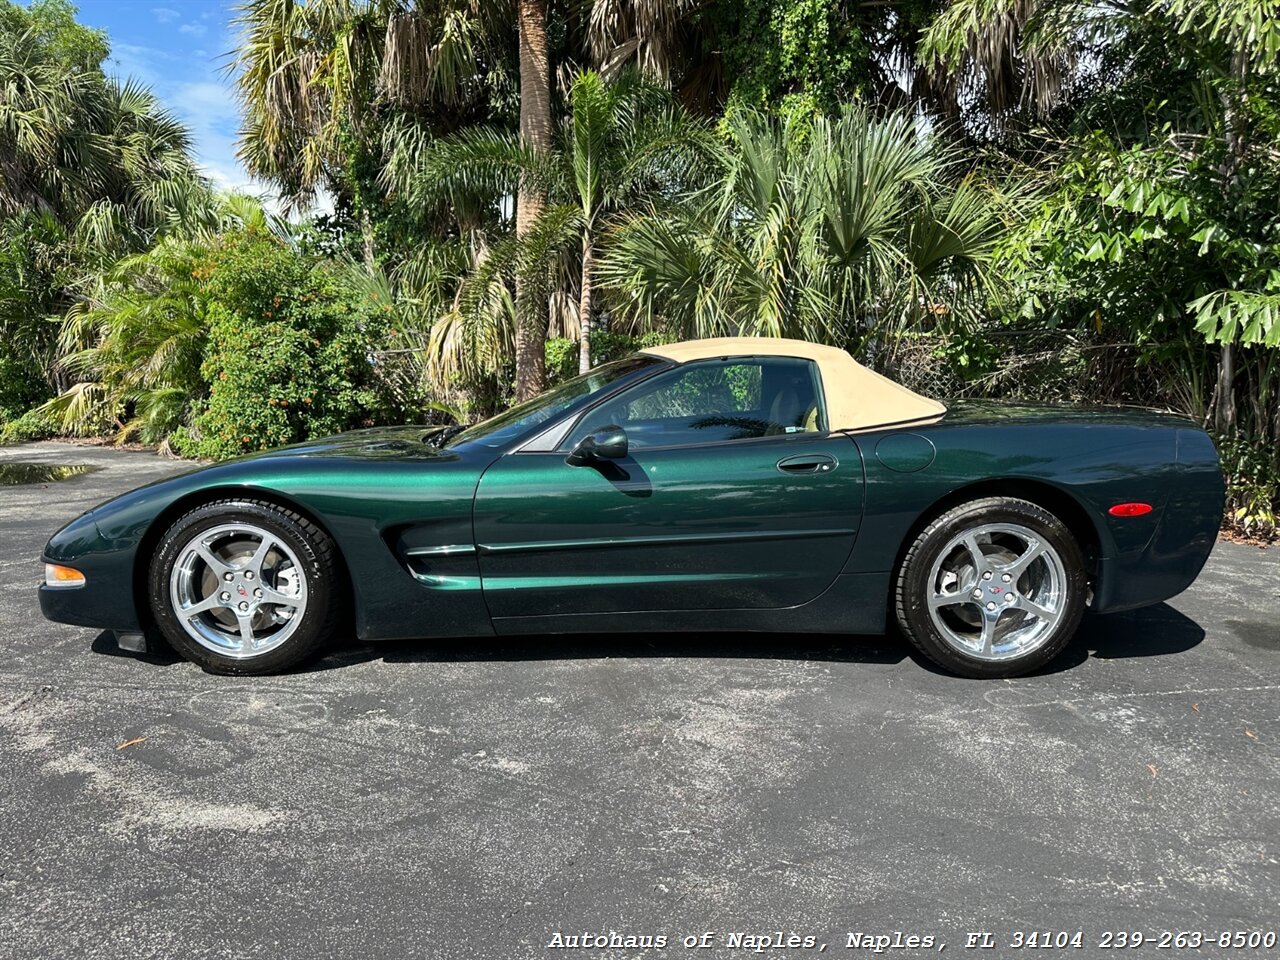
[(471, 799)]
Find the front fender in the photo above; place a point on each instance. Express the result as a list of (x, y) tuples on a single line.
[(364, 505)]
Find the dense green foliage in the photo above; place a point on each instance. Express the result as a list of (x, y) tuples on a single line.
[(562, 353), (32, 425), (1037, 200), (1157, 232), (288, 355), (801, 55), (846, 230)]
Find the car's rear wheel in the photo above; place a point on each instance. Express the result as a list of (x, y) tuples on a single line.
[(245, 587), (992, 588)]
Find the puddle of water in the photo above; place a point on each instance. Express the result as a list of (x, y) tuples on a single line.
[(13, 473)]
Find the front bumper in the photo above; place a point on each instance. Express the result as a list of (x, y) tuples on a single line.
[(106, 599), (93, 605)]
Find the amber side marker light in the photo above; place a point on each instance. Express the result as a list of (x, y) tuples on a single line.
[(1130, 509), (59, 576)]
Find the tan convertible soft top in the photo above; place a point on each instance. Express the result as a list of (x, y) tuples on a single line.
[(857, 398)]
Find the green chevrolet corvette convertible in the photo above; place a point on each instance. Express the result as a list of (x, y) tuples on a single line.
[(733, 484)]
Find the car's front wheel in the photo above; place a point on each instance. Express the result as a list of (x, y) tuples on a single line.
[(992, 588), (245, 587)]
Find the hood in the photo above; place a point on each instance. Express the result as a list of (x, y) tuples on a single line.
[(323, 464), (376, 443)]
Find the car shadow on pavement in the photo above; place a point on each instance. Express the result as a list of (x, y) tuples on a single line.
[(1156, 631), (599, 646), (159, 655), (1150, 632)]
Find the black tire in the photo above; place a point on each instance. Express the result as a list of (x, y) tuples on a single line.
[(316, 552), (913, 586)]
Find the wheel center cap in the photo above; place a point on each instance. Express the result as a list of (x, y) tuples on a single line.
[(1002, 592)]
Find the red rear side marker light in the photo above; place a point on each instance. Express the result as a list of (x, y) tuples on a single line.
[(1130, 509)]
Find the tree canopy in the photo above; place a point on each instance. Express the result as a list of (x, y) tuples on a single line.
[(1036, 199)]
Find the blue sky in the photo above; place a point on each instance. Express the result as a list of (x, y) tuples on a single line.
[(178, 48)]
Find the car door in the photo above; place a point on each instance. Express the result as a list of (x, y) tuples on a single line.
[(731, 496)]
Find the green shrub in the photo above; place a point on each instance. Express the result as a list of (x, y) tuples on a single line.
[(183, 444), (32, 425), (562, 359), (1252, 471), (289, 357)]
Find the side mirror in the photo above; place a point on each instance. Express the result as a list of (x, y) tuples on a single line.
[(606, 443)]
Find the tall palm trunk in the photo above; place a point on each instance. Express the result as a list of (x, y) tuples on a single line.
[(1234, 123), (1224, 393), (535, 133), (584, 302)]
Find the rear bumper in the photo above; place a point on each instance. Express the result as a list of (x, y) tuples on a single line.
[(1126, 584), (1181, 543)]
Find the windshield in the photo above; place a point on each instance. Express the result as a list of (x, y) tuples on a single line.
[(570, 395)]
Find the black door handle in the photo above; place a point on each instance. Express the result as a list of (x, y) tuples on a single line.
[(808, 463)]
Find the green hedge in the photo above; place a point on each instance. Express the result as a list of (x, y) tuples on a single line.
[(288, 356), (21, 385), (32, 425)]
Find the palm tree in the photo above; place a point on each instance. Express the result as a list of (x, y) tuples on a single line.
[(91, 169), (535, 136), (322, 79), (101, 156), (1001, 56), (314, 79), (145, 183), (622, 144), (134, 346), (42, 109), (845, 231), (1018, 58), (306, 78)]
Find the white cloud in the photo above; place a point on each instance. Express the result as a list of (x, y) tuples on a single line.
[(208, 107), (165, 14), (213, 101), (139, 62), (194, 86)]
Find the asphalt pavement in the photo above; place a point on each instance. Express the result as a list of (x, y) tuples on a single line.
[(492, 798)]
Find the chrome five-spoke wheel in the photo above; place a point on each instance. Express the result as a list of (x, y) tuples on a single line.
[(996, 591), (247, 586), (992, 588), (238, 590)]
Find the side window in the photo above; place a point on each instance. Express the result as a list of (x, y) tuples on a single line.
[(712, 401), (710, 390)]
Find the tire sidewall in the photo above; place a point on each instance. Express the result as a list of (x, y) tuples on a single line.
[(306, 637), (913, 610)]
